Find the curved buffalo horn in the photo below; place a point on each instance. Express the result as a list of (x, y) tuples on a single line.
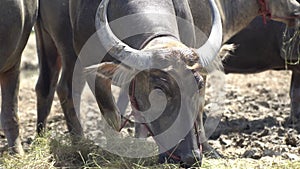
[(208, 52), (142, 59), (134, 58)]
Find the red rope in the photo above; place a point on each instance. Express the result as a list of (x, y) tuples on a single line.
[(264, 10), (132, 97), (125, 122), (133, 102)]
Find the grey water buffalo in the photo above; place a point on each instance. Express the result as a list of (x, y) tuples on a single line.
[(161, 41), (236, 15), (259, 48), (157, 43), (17, 19), (55, 51)]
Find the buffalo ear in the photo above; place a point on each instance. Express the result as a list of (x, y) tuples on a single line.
[(104, 70), (117, 73)]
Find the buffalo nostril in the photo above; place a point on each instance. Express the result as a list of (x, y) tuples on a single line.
[(192, 159)]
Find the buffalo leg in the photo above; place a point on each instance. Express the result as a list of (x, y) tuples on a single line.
[(49, 66), (9, 108), (105, 101), (70, 100), (295, 97)]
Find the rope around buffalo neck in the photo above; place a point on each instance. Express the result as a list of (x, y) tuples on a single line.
[(264, 10)]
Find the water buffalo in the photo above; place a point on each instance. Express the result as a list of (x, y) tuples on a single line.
[(162, 41), (236, 15), (17, 19), (158, 43), (260, 48), (55, 50)]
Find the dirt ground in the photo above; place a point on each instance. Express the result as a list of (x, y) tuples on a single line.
[(252, 123)]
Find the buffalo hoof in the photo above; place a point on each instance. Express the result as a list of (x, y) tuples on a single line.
[(292, 122), (16, 150), (294, 119), (76, 138)]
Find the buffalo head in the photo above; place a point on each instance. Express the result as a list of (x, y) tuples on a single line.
[(162, 84)]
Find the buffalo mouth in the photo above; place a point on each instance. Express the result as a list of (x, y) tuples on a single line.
[(194, 159)]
